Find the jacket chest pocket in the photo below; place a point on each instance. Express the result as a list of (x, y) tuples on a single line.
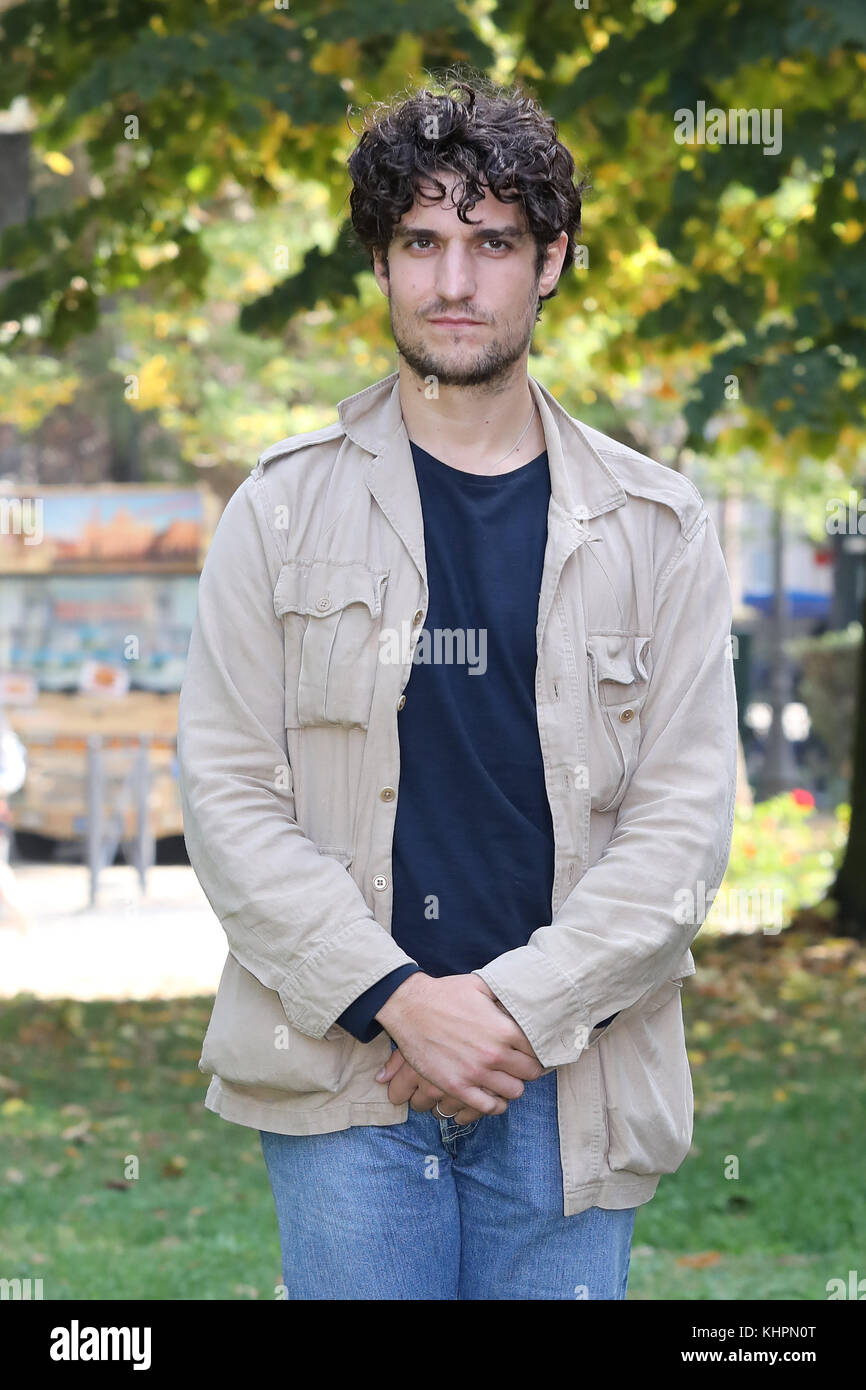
[(332, 617), (617, 686)]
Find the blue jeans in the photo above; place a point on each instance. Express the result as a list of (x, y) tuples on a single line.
[(428, 1209)]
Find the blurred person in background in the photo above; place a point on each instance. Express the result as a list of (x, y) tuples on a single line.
[(13, 771)]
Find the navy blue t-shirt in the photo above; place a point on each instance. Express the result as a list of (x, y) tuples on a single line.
[(473, 851)]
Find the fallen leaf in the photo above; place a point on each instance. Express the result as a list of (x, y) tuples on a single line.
[(79, 1131), (15, 1106), (755, 1139)]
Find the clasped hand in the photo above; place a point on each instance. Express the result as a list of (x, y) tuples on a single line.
[(408, 1083)]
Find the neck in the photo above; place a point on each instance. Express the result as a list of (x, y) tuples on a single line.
[(472, 427)]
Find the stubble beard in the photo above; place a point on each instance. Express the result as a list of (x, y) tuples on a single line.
[(491, 364)]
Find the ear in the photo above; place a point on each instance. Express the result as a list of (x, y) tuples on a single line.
[(552, 268)]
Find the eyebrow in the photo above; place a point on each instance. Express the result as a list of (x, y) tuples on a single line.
[(510, 230)]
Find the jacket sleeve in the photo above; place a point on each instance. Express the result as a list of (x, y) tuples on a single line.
[(294, 917), (619, 934)]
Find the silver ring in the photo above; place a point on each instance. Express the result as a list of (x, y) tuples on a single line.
[(444, 1117)]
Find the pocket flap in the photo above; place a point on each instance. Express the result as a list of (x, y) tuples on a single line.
[(320, 587), (686, 967), (618, 656)]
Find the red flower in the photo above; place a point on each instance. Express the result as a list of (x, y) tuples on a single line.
[(802, 797)]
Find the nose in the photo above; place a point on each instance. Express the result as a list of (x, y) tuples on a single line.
[(455, 278)]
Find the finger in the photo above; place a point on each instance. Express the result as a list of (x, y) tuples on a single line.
[(403, 1084), (403, 1087), (492, 1077), (521, 1064), (517, 1040), (503, 1084), (426, 1097), (461, 1114), (478, 1099), (451, 1107)]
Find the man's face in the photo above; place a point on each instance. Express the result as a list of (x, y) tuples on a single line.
[(463, 296)]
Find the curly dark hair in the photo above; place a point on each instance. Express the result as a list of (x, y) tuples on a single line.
[(486, 134)]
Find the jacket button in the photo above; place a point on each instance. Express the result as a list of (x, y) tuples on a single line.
[(401, 702), (380, 882), (323, 602), (387, 793), (418, 617), (626, 715)]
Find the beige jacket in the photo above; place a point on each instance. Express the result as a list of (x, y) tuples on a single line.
[(289, 768)]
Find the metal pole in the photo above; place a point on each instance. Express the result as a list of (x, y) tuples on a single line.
[(95, 786), (144, 846)]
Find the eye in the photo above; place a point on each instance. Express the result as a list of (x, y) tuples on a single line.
[(418, 239), (506, 245)]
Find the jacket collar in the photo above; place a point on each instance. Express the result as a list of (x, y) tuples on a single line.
[(581, 484)]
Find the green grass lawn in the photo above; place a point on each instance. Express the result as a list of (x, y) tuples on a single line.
[(99, 1082), (775, 1034)]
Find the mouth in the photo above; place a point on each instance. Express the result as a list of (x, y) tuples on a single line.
[(457, 323)]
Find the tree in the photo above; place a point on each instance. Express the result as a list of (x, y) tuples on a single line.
[(722, 281)]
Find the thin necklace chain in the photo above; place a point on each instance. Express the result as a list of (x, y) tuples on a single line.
[(514, 446)]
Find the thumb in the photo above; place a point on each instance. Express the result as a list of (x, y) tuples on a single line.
[(391, 1067)]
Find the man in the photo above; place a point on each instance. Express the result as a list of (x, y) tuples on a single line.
[(13, 773), (457, 748)]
